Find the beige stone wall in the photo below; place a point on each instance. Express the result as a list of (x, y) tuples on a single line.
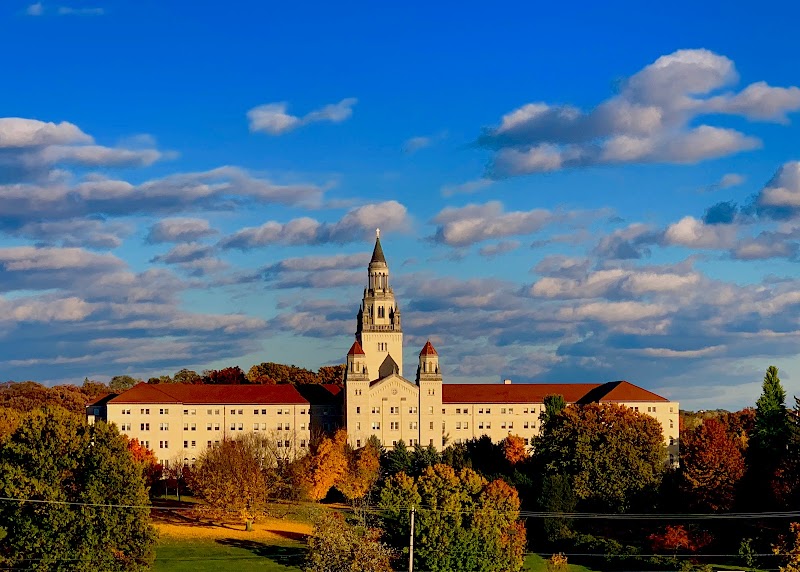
[(181, 432), (377, 345)]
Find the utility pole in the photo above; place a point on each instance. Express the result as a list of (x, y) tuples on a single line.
[(411, 543)]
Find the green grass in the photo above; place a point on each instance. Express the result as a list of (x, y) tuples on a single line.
[(173, 555), (535, 563)]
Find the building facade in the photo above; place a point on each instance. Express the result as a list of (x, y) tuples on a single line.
[(176, 421)]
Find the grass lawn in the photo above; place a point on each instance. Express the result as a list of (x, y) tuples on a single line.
[(223, 554), (535, 563)]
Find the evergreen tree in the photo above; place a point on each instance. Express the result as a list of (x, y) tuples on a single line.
[(772, 427)]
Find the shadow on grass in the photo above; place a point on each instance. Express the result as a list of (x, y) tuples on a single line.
[(285, 555)]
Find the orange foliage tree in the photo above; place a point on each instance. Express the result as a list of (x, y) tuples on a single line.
[(678, 538), (514, 449), (324, 466), (362, 472), (151, 468), (712, 466)]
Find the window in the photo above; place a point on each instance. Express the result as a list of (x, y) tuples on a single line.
[(145, 411), (636, 409), (525, 410), (263, 426), (208, 426), (672, 458), (443, 411), (255, 411), (216, 426), (480, 411), (488, 424), (126, 411), (503, 425), (264, 412), (286, 443), (126, 427), (194, 444), (458, 411), (431, 392), (358, 426), (216, 412), (670, 410), (303, 443), (430, 410), (193, 412), (163, 411), (241, 427), (186, 444), (510, 424), (466, 410), (194, 426), (163, 427), (375, 426), (303, 426), (503, 411), (208, 445), (488, 411), (208, 412), (358, 443), (163, 444), (412, 410), (526, 441), (413, 425), (302, 411), (280, 426), (672, 440), (233, 426), (480, 425), (145, 427), (671, 424), (511, 410), (186, 412), (458, 425), (241, 412), (431, 426), (376, 409), (185, 426), (394, 425), (146, 444), (466, 424), (233, 412), (255, 426), (358, 410), (525, 425), (287, 426)]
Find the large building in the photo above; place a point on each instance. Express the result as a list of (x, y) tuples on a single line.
[(177, 421)]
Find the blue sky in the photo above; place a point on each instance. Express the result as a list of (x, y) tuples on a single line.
[(574, 192)]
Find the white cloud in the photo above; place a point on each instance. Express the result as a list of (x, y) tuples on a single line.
[(179, 230), (356, 224), (17, 132), (70, 11), (694, 233), (502, 247), (610, 312), (36, 9), (783, 190), (461, 226), (727, 181), (273, 119), (414, 144), (653, 119)]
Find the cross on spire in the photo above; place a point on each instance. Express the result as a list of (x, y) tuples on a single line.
[(377, 233)]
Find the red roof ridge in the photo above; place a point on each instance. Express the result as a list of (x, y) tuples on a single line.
[(356, 349), (428, 350)]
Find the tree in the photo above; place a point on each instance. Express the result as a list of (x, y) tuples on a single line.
[(227, 376), (187, 376), (55, 456), (324, 466), (362, 472), (333, 374), (337, 546), (397, 460), (613, 454), (122, 382), (553, 405), (712, 465), (789, 549), (238, 475), (9, 421), (771, 431), (514, 449), (557, 497), (276, 373), (151, 468), (463, 522)]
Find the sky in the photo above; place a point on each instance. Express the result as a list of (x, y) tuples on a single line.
[(575, 192)]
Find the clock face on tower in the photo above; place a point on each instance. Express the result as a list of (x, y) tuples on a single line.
[(394, 392)]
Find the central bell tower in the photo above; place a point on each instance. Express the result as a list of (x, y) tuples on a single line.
[(378, 327)]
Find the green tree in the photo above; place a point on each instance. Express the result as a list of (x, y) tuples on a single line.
[(187, 376), (397, 460), (463, 521), (338, 546), (557, 497), (613, 454), (238, 475), (553, 405), (772, 427), (86, 486), (122, 382)]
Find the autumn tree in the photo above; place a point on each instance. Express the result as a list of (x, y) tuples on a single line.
[(75, 471), (333, 374), (9, 421), (227, 376), (277, 373), (324, 466), (788, 548), (151, 468), (463, 522), (613, 454), (337, 546), (238, 475), (712, 465), (677, 538), (363, 470), (514, 449)]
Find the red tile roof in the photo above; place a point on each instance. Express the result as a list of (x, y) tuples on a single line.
[(613, 392), (356, 349), (211, 394), (428, 350)]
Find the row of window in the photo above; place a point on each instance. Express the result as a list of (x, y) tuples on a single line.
[(396, 410), (193, 444), (165, 411), (193, 426)]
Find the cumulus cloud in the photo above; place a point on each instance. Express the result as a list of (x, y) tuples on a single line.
[(179, 230), (273, 119), (89, 232), (727, 181), (462, 226), (693, 233), (631, 242), (780, 198), (502, 247), (652, 119), (18, 132), (355, 225)]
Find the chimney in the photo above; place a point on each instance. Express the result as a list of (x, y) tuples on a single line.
[(506, 382)]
